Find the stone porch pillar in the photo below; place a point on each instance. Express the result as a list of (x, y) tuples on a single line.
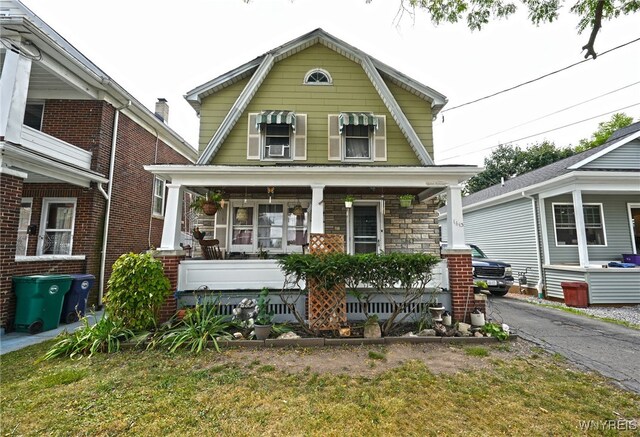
[(170, 262)]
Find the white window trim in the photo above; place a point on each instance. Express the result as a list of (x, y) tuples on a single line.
[(555, 227), (43, 222), (263, 146), (317, 70), (343, 139), (633, 237), (380, 205), (30, 201), (153, 198), (253, 203)]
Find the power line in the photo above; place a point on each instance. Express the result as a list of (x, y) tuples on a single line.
[(543, 116), (537, 78), (544, 132)]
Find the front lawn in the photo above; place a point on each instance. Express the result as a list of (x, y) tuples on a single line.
[(509, 389)]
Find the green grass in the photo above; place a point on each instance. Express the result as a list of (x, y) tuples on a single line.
[(477, 351), (182, 394), (374, 355)]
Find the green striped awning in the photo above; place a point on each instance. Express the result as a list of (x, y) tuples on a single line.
[(277, 117), (357, 118)]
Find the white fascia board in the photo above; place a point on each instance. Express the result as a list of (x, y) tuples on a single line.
[(330, 176), (34, 163), (396, 112), (604, 151), (236, 110)]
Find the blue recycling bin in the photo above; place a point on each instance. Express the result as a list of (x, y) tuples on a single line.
[(75, 301)]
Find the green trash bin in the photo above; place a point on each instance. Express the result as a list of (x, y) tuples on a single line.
[(39, 301)]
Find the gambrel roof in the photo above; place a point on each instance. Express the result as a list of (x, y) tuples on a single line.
[(259, 68)]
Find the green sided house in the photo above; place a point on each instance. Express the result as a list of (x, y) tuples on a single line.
[(287, 136)]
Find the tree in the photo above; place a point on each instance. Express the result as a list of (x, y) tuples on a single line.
[(605, 129), (509, 161), (477, 13)]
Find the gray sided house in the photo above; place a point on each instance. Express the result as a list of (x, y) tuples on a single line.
[(567, 221)]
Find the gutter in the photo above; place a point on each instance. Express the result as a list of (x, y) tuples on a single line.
[(108, 197), (540, 284)]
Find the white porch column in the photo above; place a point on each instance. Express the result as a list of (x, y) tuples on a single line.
[(317, 209), (581, 231), (455, 223), (172, 218), (14, 85)]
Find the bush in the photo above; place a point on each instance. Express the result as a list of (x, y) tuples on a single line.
[(136, 290), (200, 325)]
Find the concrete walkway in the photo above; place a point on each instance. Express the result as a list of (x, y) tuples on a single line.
[(18, 340), (609, 349)]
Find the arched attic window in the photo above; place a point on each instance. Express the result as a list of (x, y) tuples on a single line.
[(318, 76)]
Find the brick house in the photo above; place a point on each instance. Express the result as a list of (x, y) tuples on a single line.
[(287, 136), (73, 143)]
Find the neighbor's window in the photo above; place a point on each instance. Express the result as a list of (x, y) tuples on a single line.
[(33, 115), (25, 221), (158, 196), (565, 224), (277, 141), (317, 77), (56, 235), (357, 143)]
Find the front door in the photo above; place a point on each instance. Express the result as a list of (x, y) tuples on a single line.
[(366, 231)]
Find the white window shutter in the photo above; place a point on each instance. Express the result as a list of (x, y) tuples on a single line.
[(380, 139), (300, 138), (335, 139), (253, 138)]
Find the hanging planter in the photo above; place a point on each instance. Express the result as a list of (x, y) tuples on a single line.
[(348, 201), (406, 200), (298, 210), (242, 215), (209, 203)]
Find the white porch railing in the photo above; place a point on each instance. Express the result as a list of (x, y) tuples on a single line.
[(55, 148)]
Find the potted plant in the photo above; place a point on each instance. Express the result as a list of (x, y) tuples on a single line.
[(264, 317), (209, 203), (372, 327), (348, 200), (406, 200)]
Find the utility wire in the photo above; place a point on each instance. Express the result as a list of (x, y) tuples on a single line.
[(544, 132), (543, 116), (537, 78)]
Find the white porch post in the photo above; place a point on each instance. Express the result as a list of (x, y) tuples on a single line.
[(581, 231), (172, 218), (317, 209), (14, 84), (455, 223)]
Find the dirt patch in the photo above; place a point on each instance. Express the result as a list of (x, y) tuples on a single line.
[(372, 360)]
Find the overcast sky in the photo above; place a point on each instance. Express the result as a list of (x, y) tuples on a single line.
[(157, 48)]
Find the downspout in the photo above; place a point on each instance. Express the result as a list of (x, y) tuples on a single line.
[(107, 196), (540, 284)]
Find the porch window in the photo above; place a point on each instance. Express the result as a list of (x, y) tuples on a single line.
[(297, 223), (565, 225), (270, 226), (25, 221), (158, 196), (58, 217), (242, 227)]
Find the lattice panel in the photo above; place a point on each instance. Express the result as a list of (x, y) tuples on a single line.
[(327, 308), (326, 243)]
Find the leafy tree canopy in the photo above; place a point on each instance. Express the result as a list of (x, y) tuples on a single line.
[(477, 13), (605, 129)]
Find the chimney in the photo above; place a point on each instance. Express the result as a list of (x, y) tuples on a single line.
[(162, 110)]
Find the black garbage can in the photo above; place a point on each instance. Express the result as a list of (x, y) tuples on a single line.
[(75, 301)]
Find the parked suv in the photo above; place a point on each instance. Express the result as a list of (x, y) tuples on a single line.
[(497, 274)]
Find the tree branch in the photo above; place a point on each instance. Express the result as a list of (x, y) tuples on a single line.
[(597, 24)]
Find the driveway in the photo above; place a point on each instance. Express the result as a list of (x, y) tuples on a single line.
[(609, 349)]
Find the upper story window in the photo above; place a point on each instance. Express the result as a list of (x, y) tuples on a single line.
[(357, 136), (33, 115), (565, 224), (318, 76), (277, 141), (357, 142), (56, 227), (158, 196)]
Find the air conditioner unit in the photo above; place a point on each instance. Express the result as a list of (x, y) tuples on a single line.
[(276, 150)]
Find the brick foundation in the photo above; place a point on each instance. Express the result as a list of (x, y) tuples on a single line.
[(461, 284), (170, 262)]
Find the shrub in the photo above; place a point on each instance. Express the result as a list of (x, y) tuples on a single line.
[(137, 289)]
